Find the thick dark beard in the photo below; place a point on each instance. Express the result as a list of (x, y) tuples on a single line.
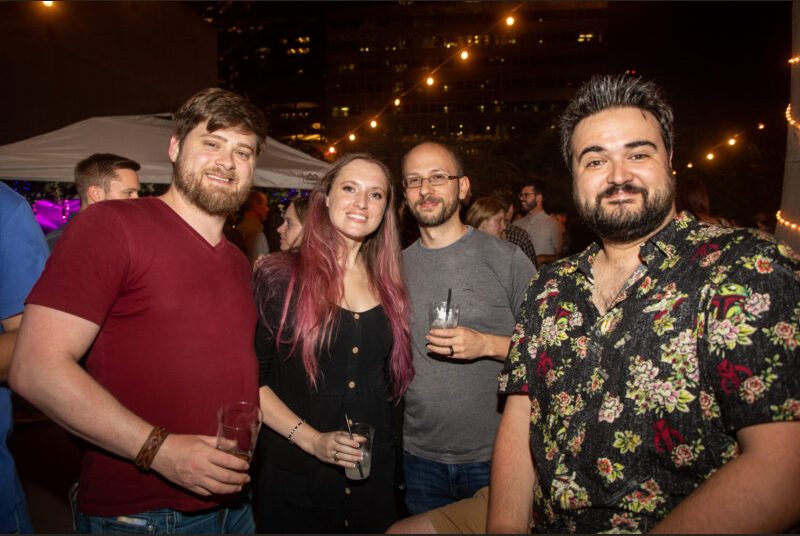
[(432, 220), (210, 202), (623, 227)]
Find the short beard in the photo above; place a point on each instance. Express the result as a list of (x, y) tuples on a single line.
[(621, 226), (433, 220), (202, 196)]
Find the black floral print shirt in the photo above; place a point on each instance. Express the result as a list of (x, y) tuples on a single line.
[(633, 409)]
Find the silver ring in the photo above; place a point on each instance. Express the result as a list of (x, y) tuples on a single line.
[(336, 455), (451, 351)]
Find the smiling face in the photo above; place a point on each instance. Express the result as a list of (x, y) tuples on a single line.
[(291, 230), (214, 170), (357, 199), (622, 180), (433, 205)]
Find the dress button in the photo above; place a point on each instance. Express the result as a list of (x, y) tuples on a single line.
[(351, 384), (356, 316), (347, 491), (355, 349)]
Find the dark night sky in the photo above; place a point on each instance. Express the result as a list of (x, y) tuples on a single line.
[(723, 64)]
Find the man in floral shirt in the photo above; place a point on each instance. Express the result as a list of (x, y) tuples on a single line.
[(653, 375)]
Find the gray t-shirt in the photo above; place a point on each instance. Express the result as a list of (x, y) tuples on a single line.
[(451, 406), (547, 233)]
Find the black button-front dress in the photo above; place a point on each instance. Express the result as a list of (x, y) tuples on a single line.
[(295, 492)]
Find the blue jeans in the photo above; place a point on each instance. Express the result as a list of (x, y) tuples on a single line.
[(431, 484), (237, 519)]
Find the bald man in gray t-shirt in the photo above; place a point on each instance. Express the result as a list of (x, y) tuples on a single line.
[(451, 406)]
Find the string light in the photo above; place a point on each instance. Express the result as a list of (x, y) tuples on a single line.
[(794, 60), (710, 156), (352, 137), (373, 124), (429, 81), (690, 165), (789, 117), (48, 3), (783, 221), (761, 126), (732, 141)]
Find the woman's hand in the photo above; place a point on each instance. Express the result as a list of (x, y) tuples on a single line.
[(337, 448)]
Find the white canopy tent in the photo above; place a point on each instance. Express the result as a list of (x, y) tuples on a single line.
[(145, 139)]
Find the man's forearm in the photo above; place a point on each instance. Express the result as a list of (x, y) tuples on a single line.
[(513, 476), (45, 371), (757, 492)]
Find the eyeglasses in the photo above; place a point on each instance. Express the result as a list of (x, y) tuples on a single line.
[(437, 179)]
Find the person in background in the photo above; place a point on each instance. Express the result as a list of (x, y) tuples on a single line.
[(252, 225), (23, 252), (333, 344), (560, 215), (545, 231), (291, 230), (488, 214), (693, 198), (765, 221), (163, 303), (100, 177)]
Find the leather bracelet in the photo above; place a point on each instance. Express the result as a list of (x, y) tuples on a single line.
[(300, 423), (150, 447)]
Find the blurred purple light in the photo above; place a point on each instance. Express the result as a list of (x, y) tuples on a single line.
[(52, 215)]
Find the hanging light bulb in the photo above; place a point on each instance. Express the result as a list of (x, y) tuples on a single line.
[(352, 137), (373, 123), (464, 54), (429, 81), (510, 21)]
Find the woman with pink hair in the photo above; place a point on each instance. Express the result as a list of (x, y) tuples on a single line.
[(333, 343)]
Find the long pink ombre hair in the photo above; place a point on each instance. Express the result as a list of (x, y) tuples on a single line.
[(316, 282)]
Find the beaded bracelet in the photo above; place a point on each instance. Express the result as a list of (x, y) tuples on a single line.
[(300, 423), (150, 447)]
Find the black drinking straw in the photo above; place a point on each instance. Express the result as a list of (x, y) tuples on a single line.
[(447, 307), (350, 431)]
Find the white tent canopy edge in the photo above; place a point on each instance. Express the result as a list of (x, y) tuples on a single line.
[(145, 139)]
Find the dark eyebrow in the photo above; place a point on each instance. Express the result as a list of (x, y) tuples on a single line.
[(223, 138), (591, 149), (629, 145), (640, 143)]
